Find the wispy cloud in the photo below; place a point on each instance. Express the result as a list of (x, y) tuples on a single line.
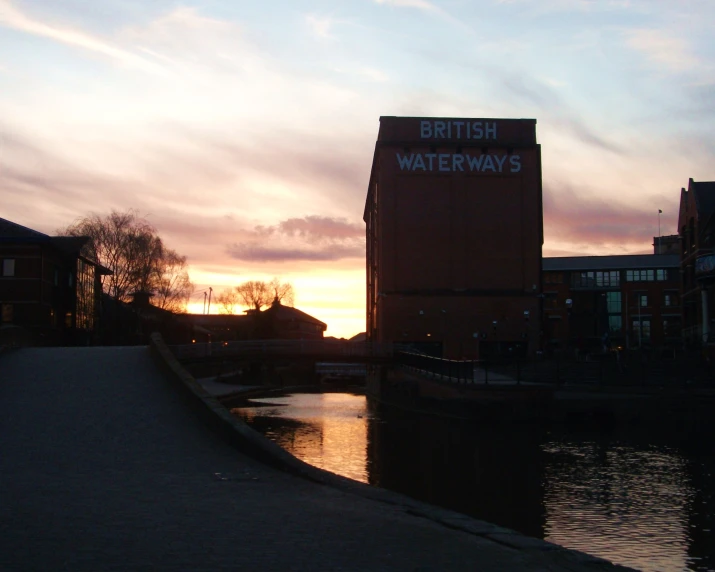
[(424, 6), (311, 238), (11, 17), (664, 50), (320, 26), (591, 224)]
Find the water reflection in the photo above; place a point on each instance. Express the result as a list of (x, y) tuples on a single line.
[(645, 501), (327, 430)]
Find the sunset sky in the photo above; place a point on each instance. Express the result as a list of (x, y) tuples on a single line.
[(244, 131)]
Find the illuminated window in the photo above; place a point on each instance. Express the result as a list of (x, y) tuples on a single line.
[(85, 295), (8, 267)]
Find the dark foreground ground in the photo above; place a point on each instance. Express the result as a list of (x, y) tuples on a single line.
[(103, 466)]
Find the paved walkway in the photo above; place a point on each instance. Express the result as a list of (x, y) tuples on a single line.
[(103, 466)]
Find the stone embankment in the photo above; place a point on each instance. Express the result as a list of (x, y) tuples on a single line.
[(111, 461)]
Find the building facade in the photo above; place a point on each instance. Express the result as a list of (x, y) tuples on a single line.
[(696, 225), (628, 301), (454, 234), (48, 287)]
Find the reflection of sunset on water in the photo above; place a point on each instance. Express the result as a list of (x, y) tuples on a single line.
[(329, 432), (641, 500)]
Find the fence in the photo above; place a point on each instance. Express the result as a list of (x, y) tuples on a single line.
[(637, 368), (283, 348)]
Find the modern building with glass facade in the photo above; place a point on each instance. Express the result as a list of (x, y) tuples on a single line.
[(627, 301)]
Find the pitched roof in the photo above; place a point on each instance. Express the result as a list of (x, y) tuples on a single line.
[(616, 262), (288, 313), (12, 230)]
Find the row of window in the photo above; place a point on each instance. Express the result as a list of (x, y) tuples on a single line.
[(609, 278), (659, 275), (614, 301), (641, 328)]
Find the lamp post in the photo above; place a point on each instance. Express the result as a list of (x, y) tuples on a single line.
[(569, 305)]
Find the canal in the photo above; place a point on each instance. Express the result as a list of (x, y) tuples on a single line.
[(643, 498)]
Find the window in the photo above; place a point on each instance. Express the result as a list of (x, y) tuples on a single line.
[(8, 267), (671, 299), (661, 274), (615, 323), (644, 275), (597, 279), (613, 302), (641, 329), (85, 295), (582, 280), (643, 300)]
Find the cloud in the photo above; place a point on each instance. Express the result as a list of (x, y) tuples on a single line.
[(667, 51), (311, 238), (545, 97), (577, 216), (426, 7), (320, 26), (11, 17)]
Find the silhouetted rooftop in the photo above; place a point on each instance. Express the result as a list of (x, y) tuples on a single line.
[(611, 262)]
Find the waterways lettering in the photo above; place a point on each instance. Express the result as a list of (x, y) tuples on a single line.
[(453, 162)]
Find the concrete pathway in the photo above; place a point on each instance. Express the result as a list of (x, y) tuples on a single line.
[(103, 466)]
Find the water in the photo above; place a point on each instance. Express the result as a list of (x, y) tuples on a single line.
[(642, 499)]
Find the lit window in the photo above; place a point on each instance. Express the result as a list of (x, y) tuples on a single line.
[(8, 267)]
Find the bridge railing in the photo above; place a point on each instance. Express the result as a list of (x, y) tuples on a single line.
[(459, 371), (277, 348)]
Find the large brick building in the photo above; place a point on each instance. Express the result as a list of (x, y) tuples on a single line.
[(454, 236), (696, 226)]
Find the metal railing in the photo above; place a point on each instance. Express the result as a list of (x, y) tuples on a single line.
[(279, 348)]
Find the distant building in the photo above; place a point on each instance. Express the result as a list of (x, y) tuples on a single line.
[(48, 287), (276, 322), (454, 233), (629, 301), (696, 224)]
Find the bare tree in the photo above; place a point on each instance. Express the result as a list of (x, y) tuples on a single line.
[(170, 282), (281, 291), (227, 301), (128, 245), (254, 294)]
